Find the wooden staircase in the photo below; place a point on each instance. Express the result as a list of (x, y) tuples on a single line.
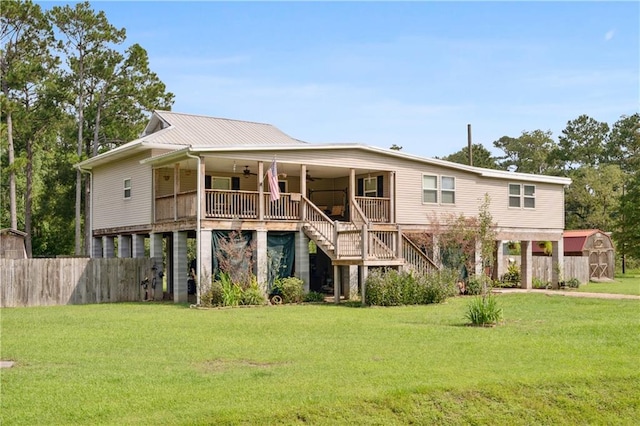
[(362, 243)]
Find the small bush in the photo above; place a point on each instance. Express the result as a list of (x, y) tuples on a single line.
[(484, 310), (572, 283), (253, 295), (538, 283), (512, 277), (393, 288), (478, 284), (290, 289), (314, 296), (212, 297), (231, 292)]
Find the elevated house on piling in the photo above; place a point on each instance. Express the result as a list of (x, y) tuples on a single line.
[(197, 177)]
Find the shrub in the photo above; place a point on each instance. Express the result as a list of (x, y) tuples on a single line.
[(314, 296), (512, 277), (393, 288), (478, 284), (253, 295), (538, 283), (290, 289), (484, 310), (231, 292), (572, 283), (212, 297)]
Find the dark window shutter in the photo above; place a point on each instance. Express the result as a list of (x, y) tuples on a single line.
[(207, 182), (360, 192), (235, 183), (380, 181)]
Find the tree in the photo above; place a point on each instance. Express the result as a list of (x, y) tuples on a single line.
[(529, 153), (627, 234), (591, 201), (481, 157), (582, 143), (623, 144), (27, 66), (86, 37)]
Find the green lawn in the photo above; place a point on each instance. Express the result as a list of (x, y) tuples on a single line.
[(623, 284), (554, 360)]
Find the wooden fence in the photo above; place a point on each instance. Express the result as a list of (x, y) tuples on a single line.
[(542, 267), (72, 281)]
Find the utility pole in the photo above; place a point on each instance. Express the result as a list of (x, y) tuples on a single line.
[(469, 144)]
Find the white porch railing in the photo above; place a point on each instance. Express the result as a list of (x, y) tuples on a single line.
[(376, 209)]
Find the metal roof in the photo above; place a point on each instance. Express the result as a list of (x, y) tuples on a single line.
[(202, 131)]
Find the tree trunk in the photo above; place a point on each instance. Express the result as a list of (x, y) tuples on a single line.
[(13, 210), (78, 230), (28, 198)]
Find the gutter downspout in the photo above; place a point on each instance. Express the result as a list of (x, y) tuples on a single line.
[(198, 220), (90, 173)]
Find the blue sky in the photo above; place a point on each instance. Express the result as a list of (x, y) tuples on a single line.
[(381, 73)]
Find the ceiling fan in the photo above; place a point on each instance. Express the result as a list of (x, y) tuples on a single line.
[(246, 172), (310, 178)]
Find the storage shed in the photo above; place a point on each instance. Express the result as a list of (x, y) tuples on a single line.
[(12, 244), (592, 244)]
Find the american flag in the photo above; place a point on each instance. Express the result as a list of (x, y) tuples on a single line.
[(272, 177)]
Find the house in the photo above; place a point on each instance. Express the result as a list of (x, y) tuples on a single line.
[(594, 246), (190, 177)]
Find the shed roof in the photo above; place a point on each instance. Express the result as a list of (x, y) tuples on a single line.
[(13, 231), (574, 240)]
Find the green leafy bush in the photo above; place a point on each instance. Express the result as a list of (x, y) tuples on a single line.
[(484, 310), (512, 277), (212, 297), (478, 284), (572, 283), (231, 292), (538, 283), (291, 289), (393, 288), (253, 295), (314, 296)]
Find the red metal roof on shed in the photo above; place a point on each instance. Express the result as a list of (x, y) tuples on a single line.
[(574, 240)]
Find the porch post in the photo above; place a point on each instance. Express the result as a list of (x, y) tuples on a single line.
[(352, 288), (435, 246), (526, 258), (479, 266), (262, 261), (302, 258), (97, 247), (303, 191), (203, 283), (137, 245), (392, 197), (180, 267), (352, 191), (176, 189), (108, 247), (155, 253), (124, 246), (499, 266), (261, 194), (336, 283), (364, 273), (203, 193), (557, 262)]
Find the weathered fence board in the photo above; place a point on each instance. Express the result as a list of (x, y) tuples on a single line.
[(72, 281), (542, 267)]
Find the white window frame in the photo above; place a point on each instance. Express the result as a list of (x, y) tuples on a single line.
[(447, 190), (523, 196), (367, 192), (126, 185), (438, 190)]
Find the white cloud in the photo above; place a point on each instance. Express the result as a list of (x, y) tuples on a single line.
[(609, 35)]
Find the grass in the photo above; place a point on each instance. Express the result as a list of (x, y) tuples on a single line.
[(553, 360), (623, 284)]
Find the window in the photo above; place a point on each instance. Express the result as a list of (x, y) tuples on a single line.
[(127, 189), (370, 187), (445, 193), (448, 190), (522, 196), (220, 182), (282, 184), (429, 189)]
